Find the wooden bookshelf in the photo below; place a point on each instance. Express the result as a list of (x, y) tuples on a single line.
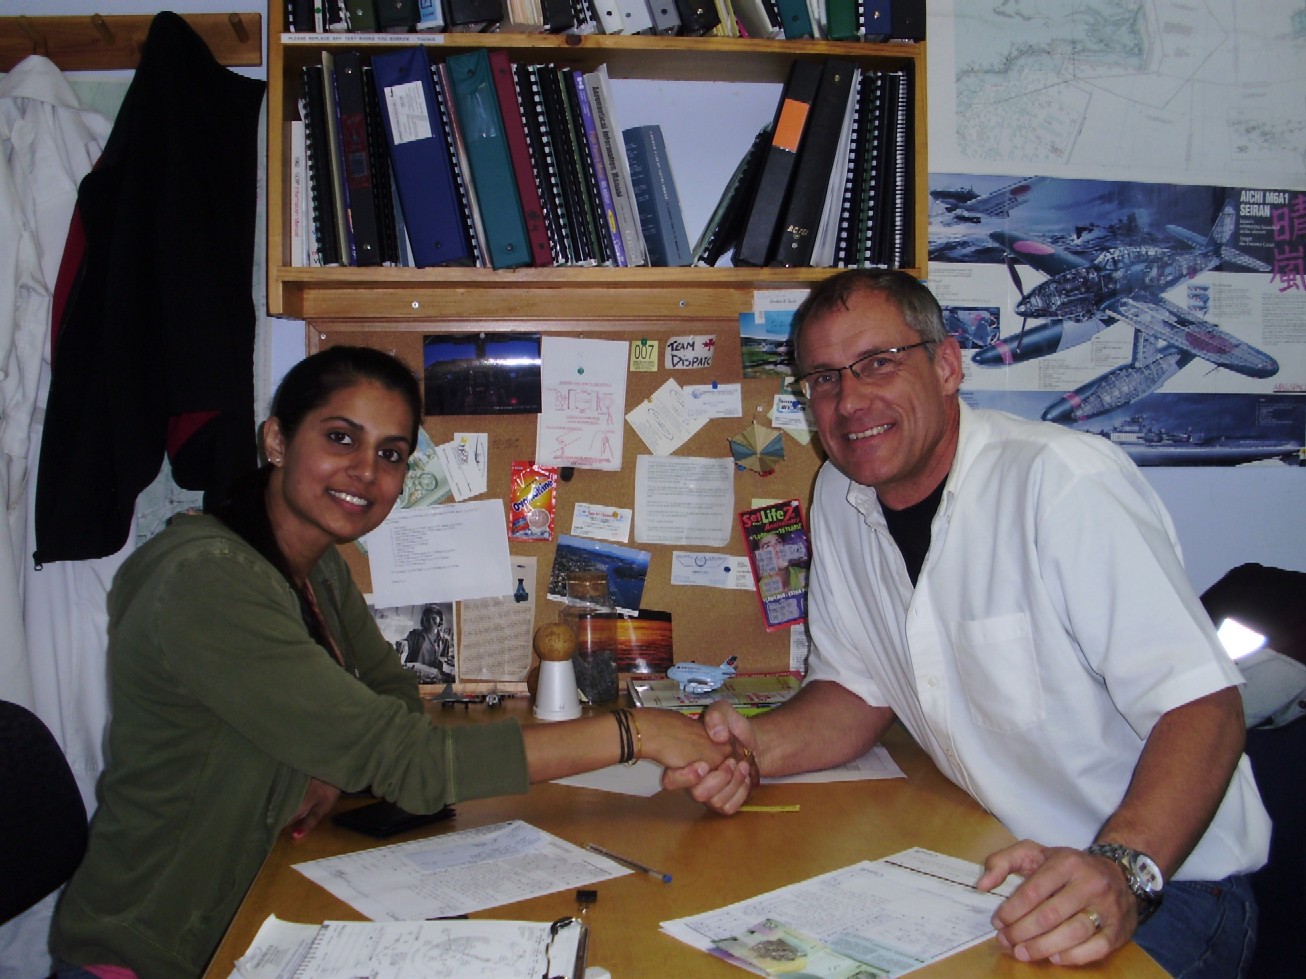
[(556, 294), (395, 308), (95, 42)]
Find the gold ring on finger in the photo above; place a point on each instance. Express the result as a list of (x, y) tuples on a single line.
[(1094, 918)]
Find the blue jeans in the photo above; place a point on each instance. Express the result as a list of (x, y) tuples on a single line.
[(1203, 929)]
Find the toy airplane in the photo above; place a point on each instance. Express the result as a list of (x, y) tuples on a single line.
[(701, 678)]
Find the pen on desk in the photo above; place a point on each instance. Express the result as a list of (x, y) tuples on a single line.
[(626, 861)]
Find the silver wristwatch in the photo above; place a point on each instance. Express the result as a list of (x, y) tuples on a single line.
[(1142, 875)]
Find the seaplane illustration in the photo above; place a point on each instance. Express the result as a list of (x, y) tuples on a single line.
[(1080, 298), (965, 205)]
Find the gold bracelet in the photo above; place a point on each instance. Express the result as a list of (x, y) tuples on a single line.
[(638, 753)]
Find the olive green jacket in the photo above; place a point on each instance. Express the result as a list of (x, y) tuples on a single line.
[(222, 708)]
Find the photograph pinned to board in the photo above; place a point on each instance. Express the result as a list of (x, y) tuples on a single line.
[(626, 569), (481, 373), (644, 642), (425, 636), (764, 334)]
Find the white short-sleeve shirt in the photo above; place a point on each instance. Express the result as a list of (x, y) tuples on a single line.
[(1051, 626)]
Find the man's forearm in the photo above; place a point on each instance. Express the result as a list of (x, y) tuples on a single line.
[(1180, 779), (822, 725)]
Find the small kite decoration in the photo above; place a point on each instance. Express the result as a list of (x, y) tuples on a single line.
[(758, 448)]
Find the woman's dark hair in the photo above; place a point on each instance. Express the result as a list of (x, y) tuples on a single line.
[(311, 383)]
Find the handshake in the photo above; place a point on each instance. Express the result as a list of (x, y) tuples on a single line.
[(724, 778)]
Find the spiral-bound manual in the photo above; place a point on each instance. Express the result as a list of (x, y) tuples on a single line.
[(544, 162), (316, 141)]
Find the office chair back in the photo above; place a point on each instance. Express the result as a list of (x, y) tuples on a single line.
[(42, 817)]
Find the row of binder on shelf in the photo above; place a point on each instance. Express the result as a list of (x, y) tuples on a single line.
[(474, 160), (828, 183), (836, 20)]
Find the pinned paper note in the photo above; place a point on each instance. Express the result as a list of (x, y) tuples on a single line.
[(644, 356), (714, 400), (601, 522), (663, 421), (684, 353), (584, 391)]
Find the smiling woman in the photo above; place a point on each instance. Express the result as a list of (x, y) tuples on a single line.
[(250, 685)]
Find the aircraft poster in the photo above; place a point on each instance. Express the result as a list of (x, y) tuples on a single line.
[(1170, 319)]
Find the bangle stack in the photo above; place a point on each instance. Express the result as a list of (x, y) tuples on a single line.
[(632, 744)]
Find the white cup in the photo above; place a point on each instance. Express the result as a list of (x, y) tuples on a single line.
[(555, 696)]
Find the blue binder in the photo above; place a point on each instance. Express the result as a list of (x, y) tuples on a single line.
[(419, 156)]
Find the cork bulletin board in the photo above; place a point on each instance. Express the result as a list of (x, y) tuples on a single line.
[(708, 623)]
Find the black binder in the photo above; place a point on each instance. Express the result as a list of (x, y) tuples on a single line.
[(317, 148), (352, 99), (816, 163), (772, 197), (697, 17)]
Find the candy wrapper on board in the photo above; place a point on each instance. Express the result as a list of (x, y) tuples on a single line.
[(533, 499)]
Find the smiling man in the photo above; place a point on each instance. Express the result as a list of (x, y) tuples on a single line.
[(1012, 592)]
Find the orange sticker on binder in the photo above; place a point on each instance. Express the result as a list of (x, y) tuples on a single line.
[(789, 128)]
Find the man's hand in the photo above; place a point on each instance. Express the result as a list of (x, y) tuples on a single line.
[(319, 800), (724, 788), (676, 741), (1072, 907)]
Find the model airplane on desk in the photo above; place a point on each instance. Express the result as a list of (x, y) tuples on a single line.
[(701, 678)]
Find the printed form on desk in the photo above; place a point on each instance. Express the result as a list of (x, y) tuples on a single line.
[(457, 873), (893, 915), (457, 949)]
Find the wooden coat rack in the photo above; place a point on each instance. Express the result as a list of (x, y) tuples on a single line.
[(101, 43)]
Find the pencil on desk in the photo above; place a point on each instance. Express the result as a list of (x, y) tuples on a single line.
[(626, 861)]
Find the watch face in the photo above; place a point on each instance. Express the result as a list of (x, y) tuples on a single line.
[(1148, 873)]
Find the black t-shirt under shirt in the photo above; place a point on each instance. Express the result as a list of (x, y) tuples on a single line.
[(910, 529)]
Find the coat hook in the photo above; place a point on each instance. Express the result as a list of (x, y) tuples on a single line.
[(238, 25), (39, 45), (102, 28)]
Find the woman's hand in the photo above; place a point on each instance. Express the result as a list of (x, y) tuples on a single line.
[(319, 799), (676, 741)]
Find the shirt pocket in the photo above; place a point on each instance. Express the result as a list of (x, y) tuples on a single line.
[(999, 672)]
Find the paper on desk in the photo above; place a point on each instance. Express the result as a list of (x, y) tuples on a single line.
[(457, 873), (401, 949), (876, 763), (895, 914), (276, 951), (644, 778)]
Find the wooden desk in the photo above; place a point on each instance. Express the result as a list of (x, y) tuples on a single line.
[(715, 861)]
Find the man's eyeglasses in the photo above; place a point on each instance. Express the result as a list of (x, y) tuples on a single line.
[(874, 366)]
